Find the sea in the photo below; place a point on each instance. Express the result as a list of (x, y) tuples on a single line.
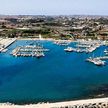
[(59, 76)]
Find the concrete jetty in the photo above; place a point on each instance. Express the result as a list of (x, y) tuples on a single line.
[(6, 42), (103, 58)]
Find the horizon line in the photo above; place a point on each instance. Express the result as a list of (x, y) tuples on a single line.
[(52, 15)]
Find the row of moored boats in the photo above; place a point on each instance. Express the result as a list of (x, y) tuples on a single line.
[(29, 50), (89, 47)]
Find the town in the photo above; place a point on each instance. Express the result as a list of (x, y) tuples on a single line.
[(56, 27)]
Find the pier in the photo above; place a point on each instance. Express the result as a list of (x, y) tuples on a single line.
[(97, 61), (62, 42), (6, 42), (84, 46), (29, 51), (103, 58)]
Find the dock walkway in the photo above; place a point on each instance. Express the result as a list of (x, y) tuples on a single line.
[(4, 43)]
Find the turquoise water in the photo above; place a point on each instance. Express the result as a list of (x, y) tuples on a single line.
[(58, 76)]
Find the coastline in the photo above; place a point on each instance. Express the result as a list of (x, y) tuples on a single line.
[(98, 101), (49, 39), (44, 39), (56, 104)]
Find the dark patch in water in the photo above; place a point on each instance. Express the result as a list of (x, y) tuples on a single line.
[(0, 82), (99, 92)]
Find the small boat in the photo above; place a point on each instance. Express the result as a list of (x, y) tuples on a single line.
[(69, 49), (96, 61), (26, 41), (38, 55), (106, 51), (79, 50), (62, 42)]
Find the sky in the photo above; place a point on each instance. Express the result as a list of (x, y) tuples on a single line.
[(54, 7)]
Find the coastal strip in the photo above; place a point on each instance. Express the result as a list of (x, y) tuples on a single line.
[(45, 39), (90, 103)]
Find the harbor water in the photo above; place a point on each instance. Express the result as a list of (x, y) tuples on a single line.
[(59, 76)]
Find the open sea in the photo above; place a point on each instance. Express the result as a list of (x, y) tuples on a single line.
[(59, 76)]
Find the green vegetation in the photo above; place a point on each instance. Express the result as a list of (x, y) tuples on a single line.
[(57, 27)]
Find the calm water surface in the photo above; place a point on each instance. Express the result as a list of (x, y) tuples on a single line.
[(58, 76)]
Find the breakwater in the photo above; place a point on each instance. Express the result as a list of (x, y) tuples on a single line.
[(90, 103), (6, 42)]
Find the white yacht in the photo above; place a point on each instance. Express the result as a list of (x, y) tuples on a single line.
[(106, 51), (96, 61), (69, 49), (40, 54)]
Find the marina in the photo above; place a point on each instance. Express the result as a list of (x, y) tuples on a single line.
[(29, 51), (54, 54), (99, 60), (58, 72), (85, 46)]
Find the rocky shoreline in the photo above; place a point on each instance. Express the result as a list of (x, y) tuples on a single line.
[(89, 103)]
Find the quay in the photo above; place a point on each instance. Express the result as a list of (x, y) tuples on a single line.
[(6, 42)]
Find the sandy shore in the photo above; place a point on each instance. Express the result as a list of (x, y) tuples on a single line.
[(58, 104)]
